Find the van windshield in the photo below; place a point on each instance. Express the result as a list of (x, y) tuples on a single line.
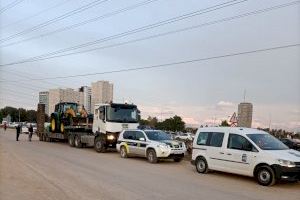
[(157, 135), (267, 142)]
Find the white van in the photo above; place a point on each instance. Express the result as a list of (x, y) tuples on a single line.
[(245, 151)]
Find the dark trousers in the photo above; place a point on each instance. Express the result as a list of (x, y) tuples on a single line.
[(30, 136), (18, 134)]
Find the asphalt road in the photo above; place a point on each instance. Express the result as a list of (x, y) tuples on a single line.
[(40, 170)]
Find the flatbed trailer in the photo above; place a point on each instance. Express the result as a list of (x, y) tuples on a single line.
[(76, 136)]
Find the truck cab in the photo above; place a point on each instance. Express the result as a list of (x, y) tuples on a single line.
[(110, 120)]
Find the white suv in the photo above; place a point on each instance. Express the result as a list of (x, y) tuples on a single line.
[(153, 144), (245, 151)]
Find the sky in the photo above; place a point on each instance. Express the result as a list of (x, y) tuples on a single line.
[(201, 93)]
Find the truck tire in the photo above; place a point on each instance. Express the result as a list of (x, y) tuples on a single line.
[(151, 156), (71, 141), (77, 142), (99, 145), (265, 176), (123, 152)]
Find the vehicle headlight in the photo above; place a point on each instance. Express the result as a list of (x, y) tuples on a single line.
[(110, 137), (286, 163), (163, 146)]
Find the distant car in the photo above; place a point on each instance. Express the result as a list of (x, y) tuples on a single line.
[(292, 144), (25, 128), (184, 136), (152, 144)]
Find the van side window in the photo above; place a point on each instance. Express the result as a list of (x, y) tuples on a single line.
[(239, 142), (138, 135), (216, 139), (129, 135), (202, 138)]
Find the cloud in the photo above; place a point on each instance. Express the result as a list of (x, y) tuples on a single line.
[(190, 121), (225, 104)]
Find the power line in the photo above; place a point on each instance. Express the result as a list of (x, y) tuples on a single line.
[(24, 73), (35, 15), (11, 5), (137, 30), (110, 14), (166, 33), (167, 64), (59, 18)]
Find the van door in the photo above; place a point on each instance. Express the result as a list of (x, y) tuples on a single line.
[(141, 143), (240, 155), (129, 139), (215, 150)]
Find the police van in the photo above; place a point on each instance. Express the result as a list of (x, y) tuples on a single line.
[(152, 144), (245, 151)]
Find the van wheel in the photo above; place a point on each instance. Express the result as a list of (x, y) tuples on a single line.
[(77, 142), (99, 145), (151, 156), (71, 141), (123, 152), (265, 176), (201, 165)]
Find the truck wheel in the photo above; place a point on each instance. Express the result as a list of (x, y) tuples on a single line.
[(99, 145), (177, 159), (71, 141), (77, 142), (265, 176), (201, 165), (123, 152), (151, 156)]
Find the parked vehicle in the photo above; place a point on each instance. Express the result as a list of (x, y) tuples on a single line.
[(100, 131), (152, 144), (25, 128), (184, 136), (245, 151), (291, 143)]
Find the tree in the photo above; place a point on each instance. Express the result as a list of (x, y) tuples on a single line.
[(224, 123), (172, 124)]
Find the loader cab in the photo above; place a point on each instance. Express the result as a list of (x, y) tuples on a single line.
[(62, 107)]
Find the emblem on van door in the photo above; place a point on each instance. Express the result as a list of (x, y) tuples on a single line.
[(125, 126), (244, 157)]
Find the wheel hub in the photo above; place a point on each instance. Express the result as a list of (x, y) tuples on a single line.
[(264, 176)]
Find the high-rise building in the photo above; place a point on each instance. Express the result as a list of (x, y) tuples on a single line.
[(102, 92), (245, 111), (86, 97), (44, 99), (62, 95)]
